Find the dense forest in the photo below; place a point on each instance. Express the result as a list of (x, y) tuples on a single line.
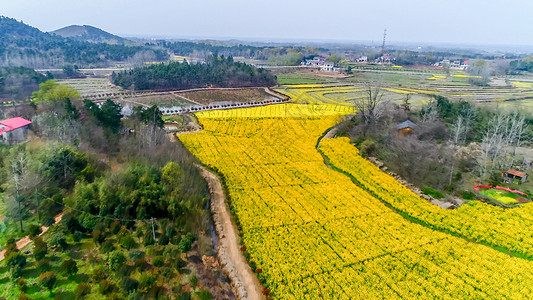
[(218, 71), (23, 45), (132, 204), (19, 82)]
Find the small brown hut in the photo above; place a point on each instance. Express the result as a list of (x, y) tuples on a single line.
[(406, 127)]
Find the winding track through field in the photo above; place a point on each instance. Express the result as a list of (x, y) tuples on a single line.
[(243, 280)]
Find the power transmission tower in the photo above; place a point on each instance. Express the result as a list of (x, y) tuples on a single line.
[(383, 46)]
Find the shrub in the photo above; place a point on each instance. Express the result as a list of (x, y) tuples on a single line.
[(43, 265), (147, 280), (34, 230), (124, 270), (141, 264), (77, 236), (82, 290), (23, 296), (58, 239), (107, 246), (88, 222), (40, 248), (193, 280), (158, 261), (129, 284), (106, 287), (163, 240), (116, 259), (204, 294), (135, 254), (128, 242), (16, 273), (467, 195), (99, 274), (49, 222), (148, 238), (185, 244), (115, 227), (68, 267), (16, 259), (433, 193), (22, 284), (98, 236), (48, 279)]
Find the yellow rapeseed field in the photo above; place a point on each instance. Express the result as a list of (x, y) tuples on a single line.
[(317, 235)]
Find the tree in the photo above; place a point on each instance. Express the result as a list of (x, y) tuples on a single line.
[(108, 115), (116, 259), (481, 70), (68, 267), (40, 248), (372, 106), (51, 91), (48, 280)]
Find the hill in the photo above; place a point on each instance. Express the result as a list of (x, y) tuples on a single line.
[(89, 33), (23, 45)]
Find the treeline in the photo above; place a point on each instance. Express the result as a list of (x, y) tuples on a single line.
[(523, 65), (19, 82), (247, 51), (109, 182), (23, 45), (218, 71)]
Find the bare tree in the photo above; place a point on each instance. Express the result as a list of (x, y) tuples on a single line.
[(504, 132), (372, 106), (430, 113)]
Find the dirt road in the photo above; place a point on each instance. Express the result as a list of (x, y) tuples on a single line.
[(23, 242), (243, 280)]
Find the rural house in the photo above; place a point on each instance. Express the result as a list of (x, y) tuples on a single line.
[(406, 127), (513, 175), (14, 130), (328, 67)]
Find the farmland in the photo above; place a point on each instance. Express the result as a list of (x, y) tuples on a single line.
[(312, 233), (511, 93)]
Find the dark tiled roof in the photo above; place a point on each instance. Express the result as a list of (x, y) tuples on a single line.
[(405, 124)]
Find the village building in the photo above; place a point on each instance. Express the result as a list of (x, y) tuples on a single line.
[(315, 62), (14, 130), (406, 127), (513, 175), (328, 67)]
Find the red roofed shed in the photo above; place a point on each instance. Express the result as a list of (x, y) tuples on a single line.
[(512, 175)]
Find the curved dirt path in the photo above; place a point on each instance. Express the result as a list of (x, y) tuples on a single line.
[(23, 242), (243, 280)]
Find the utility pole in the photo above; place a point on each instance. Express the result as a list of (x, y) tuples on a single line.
[(153, 228)]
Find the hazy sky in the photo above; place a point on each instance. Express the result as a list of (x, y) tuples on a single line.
[(453, 21)]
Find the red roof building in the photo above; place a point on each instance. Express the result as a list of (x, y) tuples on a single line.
[(14, 130), (13, 123), (512, 175)]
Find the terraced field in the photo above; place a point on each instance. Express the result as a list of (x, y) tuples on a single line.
[(312, 233)]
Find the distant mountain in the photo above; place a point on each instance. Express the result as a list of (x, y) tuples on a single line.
[(23, 45), (89, 33)]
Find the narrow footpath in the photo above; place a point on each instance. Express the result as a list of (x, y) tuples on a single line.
[(243, 280), (23, 242)]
